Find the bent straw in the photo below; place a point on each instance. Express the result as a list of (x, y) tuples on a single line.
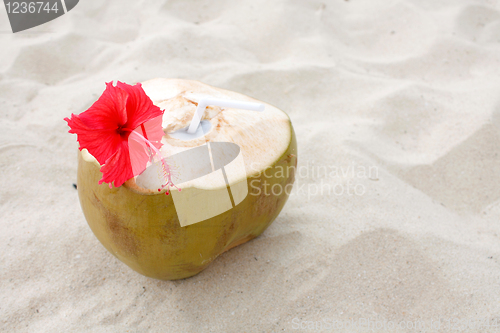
[(204, 102)]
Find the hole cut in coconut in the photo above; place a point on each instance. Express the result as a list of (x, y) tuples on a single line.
[(198, 162), (182, 134), (211, 180)]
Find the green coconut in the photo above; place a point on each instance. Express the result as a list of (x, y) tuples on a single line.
[(141, 226)]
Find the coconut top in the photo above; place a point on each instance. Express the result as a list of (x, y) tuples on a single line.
[(262, 137)]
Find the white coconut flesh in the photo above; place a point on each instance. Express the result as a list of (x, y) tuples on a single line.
[(241, 143)]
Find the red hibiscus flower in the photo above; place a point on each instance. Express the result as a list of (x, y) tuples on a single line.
[(104, 130)]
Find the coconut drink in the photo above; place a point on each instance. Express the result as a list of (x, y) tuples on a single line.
[(227, 179)]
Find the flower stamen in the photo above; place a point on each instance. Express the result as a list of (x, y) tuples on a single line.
[(165, 169)]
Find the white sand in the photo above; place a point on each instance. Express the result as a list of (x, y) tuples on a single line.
[(410, 88)]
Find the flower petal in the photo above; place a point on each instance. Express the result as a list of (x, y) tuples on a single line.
[(139, 150), (117, 169), (153, 131), (140, 107), (109, 111), (101, 143)]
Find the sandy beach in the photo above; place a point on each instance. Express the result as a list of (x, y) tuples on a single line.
[(395, 212)]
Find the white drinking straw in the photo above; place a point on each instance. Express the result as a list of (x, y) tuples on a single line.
[(226, 103)]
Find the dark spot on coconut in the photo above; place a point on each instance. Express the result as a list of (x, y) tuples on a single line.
[(97, 202), (288, 158), (278, 201), (263, 205), (227, 231), (291, 177), (74, 185), (121, 235)]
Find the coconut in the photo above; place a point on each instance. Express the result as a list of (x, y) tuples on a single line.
[(234, 181)]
